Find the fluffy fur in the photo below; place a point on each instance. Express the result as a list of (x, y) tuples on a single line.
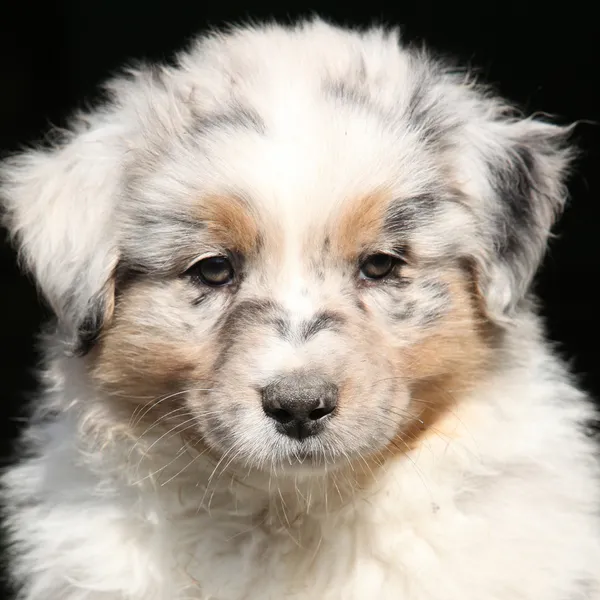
[(455, 465)]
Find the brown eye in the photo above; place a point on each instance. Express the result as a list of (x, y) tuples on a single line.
[(215, 271), (377, 266)]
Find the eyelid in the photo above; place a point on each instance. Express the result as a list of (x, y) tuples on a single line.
[(397, 253), (202, 257)]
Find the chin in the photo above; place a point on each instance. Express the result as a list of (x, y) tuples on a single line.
[(294, 351)]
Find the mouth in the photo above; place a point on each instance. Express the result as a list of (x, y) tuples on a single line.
[(316, 453), (308, 461), (303, 436)]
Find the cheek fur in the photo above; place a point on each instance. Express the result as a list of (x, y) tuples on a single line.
[(159, 343), (451, 355)]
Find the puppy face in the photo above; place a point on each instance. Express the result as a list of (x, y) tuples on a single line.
[(295, 316), (315, 234)]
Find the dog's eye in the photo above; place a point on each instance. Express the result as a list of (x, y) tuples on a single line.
[(215, 271), (377, 266)]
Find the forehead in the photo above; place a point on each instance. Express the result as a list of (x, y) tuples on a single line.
[(287, 167)]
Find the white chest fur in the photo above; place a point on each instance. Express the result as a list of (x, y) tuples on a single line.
[(466, 517)]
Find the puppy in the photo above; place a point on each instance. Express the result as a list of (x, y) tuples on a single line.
[(295, 354)]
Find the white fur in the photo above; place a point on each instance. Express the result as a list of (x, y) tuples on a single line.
[(498, 502)]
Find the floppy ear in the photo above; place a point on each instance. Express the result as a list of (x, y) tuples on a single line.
[(58, 205), (520, 184)]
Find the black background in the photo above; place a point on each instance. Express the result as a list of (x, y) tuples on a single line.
[(542, 56)]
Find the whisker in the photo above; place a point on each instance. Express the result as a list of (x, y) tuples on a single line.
[(153, 404), (210, 479), (155, 424)]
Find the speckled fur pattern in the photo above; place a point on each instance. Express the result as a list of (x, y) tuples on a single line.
[(456, 464)]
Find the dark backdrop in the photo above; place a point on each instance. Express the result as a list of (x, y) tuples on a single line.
[(543, 56)]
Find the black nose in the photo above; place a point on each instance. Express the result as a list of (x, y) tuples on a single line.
[(299, 402)]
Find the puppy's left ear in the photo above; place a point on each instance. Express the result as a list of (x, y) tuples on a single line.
[(519, 185), (58, 205)]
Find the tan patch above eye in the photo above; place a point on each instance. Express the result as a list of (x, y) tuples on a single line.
[(359, 224), (230, 221)]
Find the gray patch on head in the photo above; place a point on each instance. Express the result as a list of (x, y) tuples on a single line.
[(243, 315), (235, 116), (153, 233), (434, 287), (323, 321), (406, 311), (424, 117), (347, 93), (351, 88), (424, 111), (282, 326), (518, 182), (425, 303), (89, 330), (404, 216), (246, 313), (436, 300)]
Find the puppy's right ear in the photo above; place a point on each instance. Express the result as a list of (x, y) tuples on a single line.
[(59, 205)]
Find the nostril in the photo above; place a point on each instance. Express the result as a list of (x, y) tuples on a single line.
[(319, 413), (279, 414)]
